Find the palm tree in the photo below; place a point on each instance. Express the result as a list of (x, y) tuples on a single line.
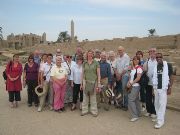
[(152, 32)]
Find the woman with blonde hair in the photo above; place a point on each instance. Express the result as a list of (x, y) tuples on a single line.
[(91, 81)]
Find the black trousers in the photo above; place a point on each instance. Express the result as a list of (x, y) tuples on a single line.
[(142, 95), (76, 91), (14, 96), (32, 96), (150, 100)]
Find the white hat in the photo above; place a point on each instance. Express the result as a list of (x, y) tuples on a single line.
[(39, 90)]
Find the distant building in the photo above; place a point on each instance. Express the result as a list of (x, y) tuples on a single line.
[(25, 40)]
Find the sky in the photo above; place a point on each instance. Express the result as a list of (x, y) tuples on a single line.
[(93, 19)]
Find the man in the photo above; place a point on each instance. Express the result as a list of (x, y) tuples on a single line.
[(97, 55), (149, 67), (121, 71), (160, 86), (37, 58), (79, 51), (106, 79), (58, 53)]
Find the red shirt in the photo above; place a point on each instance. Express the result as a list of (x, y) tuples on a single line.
[(14, 72)]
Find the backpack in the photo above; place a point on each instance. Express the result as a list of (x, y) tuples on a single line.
[(4, 75), (4, 72)]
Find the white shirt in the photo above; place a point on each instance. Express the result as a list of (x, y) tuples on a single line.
[(41, 66), (122, 63), (76, 73), (133, 72), (58, 73), (68, 68), (112, 65), (47, 71), (151, 66)]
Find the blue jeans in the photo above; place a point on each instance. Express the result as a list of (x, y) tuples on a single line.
[(125, 79)]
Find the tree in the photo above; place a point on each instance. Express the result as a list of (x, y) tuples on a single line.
[(152, 32), (1, 36), (63, 37)]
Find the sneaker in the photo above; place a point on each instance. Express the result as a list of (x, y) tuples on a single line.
[(147, 114), (29, 105), (39, 109), (12, 105), (154, 120), (83, 114), (124, 108), (73, 107), (94, 114), (157, 126), (134, 119), (50, 108), (15, 104), (143, 109), (106, 108), (153, 116)]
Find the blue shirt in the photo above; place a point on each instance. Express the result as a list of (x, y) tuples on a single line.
[(105, 70), (37, 60)]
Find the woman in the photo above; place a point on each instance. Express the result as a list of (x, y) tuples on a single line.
[(59, 78), (133, 90), (75, 78), (47, 83), (43, 60), (13, 83), (68, 64), (139, 54), (112, 62), (30, 77), (91, 81)]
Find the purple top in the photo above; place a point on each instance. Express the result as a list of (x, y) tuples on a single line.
[(31, 72)]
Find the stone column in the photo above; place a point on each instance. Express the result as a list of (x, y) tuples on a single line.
[(72, 31)]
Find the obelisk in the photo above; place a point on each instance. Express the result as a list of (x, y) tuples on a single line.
[(72, 31)]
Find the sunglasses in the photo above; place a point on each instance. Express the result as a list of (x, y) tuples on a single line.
[(152, 51), (68, 56), (135, 59)]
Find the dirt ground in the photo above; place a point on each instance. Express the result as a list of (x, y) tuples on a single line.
[(26, 120)]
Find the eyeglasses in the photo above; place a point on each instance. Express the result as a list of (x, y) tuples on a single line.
[(158, 57)]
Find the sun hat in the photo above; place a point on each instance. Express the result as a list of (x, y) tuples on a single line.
[(39, 90)]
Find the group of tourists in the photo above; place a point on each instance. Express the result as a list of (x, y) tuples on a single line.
[(92, 80)]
